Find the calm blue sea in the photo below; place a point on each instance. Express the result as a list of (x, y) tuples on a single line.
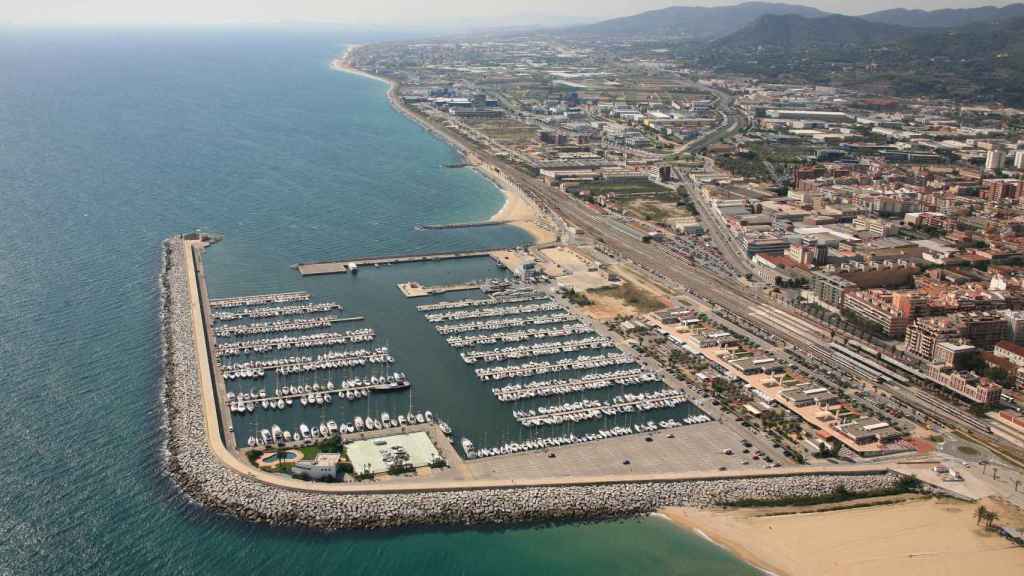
[(113, 140)]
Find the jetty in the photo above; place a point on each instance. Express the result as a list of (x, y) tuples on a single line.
[(417, 290), (281, 326), (593, 409), (519, 335), (342, 266), (539, 349), (453, 226), (259, 299), (515, 297), (542, 388), (318, 340), (564, 365)]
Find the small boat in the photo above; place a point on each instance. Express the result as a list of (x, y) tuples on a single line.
[(420, 419), (468, 448), (252, 441), (385, 418), (327, 398), (323, 429), (303, 401), (304, 430), (428, 416), (288, 401), (287, 436), (358, 422), (250, 406), (445, 428), (280, 404), (319, 400), (332, 426)]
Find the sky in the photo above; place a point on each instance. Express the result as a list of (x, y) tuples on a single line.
[(387, 14)]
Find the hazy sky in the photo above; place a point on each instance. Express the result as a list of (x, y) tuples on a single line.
[(382, 13)]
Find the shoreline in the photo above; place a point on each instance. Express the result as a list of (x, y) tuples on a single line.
[(517, 210), (902, 535)]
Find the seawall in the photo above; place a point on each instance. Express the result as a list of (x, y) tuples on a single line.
[(205, 474)]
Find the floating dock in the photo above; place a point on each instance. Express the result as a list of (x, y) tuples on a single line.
[(342, 266)]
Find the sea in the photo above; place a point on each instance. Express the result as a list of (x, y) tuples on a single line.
[(112, 140)]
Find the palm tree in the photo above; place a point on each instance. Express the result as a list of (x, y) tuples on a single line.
[(980, 514), (990, 518)]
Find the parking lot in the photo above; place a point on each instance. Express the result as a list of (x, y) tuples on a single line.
[(695, 447)]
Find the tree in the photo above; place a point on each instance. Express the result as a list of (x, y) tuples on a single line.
[(990, 517), (980, 514)]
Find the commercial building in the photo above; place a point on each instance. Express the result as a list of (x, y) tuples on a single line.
[(763, 244), (965, 384), (325, 465), (867, 431)]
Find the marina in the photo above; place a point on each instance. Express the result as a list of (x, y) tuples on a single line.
[(593, 381), (519, 335), (275, 312), (271, 327), (491, 312), (566, 364), (299, 364), (319, 340), (593, 409), (496, 324), (314, 394), (509, 297), (539, 349), (259, 299), (511, 328)]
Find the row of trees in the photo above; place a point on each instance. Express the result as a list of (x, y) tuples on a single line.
[(985, 515)]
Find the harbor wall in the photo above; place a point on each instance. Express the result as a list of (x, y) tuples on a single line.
[(222, 483)]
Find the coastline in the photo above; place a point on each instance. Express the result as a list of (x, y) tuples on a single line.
[(901, 535), (518, 209)]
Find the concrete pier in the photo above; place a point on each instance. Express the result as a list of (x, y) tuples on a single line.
[(342, 266)]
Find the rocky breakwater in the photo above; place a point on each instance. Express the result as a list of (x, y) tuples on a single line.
[(208, 481)]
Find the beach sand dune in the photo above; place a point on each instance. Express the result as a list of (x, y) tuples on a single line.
[(916, 537)]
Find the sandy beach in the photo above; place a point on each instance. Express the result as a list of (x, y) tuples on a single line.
[(896, 537), (518, 210)]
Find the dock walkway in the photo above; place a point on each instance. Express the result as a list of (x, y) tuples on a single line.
[(342, 266)]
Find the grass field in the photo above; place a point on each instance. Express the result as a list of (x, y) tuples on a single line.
[(638, 298)]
